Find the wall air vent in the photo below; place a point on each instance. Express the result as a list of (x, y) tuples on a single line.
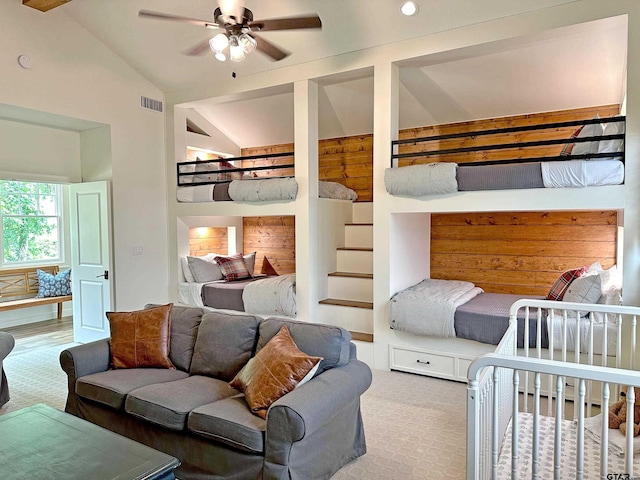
[(151, 104)]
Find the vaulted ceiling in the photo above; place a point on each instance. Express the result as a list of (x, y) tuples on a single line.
[(579, 66)]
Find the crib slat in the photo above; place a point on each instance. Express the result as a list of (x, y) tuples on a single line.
[(580, 432), (515, 427), (526, 354), (628, 454), (535, 466), (604, 433), (495, 444), (557, 442)]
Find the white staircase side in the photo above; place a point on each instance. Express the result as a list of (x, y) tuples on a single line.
[(349, 318), (358, 235), (355, 261), (359, 289), (363, 212)]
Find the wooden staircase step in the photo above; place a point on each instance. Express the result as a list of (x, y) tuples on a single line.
[(362, 337), (351, 275), (346, 303), (356, 249)]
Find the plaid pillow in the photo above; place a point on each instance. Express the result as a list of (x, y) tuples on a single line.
[(560, 287), (233, 267)]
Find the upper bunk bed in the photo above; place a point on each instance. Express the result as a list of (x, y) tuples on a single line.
[(574, 153), (247, 179)]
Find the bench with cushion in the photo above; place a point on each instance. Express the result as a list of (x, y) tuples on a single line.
[(19, 287)]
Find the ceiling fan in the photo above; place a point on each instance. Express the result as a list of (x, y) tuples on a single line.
[(238, 32)]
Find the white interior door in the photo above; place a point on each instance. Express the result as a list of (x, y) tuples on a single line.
[(90, 222)]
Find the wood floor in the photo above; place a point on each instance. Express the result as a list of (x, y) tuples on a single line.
[(42, 334)]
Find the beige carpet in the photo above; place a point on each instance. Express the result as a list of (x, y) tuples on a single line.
[(415, 426)]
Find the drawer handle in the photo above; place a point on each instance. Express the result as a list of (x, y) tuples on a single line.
[(423, 362)]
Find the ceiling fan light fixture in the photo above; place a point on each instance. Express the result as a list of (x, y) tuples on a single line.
[(409, 8), (219, 42), (221, 57), (248, 43), (236, 52)]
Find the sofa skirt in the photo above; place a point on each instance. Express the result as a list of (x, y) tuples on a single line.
[(200, 458)]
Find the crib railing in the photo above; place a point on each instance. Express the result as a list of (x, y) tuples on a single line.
[(487, 412), (569, 342)]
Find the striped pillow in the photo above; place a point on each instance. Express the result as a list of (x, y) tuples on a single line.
[(233, 267), (562, 284)]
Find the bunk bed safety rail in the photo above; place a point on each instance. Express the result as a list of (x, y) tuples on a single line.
[(223, 170), (486, 426), (519, 146)]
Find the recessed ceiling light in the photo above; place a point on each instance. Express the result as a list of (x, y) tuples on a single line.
[(409, 8)]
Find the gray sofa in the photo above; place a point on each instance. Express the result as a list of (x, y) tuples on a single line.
[(7, 342), (193, 414)]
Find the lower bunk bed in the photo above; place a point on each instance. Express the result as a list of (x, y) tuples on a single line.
[(260, 295), (565, 435)]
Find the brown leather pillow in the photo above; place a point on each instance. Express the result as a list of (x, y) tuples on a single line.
[(275, 371), (141, 338)]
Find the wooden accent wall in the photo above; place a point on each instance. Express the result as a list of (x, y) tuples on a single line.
[(274, 240), (203, 240), (494, 123), (280, 148), (519, 252), (346, 160)]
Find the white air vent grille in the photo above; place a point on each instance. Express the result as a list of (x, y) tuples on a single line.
[(151, 104)]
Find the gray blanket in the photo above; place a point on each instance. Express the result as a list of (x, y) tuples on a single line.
[(420, 180), (263, 190)]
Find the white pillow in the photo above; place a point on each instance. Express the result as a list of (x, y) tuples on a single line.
[(204, 270), (585, 289), (594, 130), (186, 271), (612, 146)]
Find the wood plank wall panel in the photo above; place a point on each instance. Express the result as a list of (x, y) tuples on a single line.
[(274, 240), (280, 148), (519, 252), (345, 160), (495, 123), (203, 240)]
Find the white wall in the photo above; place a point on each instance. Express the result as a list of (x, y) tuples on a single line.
[(74, 75)]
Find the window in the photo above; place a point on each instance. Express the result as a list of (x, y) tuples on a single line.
[(31, 224)]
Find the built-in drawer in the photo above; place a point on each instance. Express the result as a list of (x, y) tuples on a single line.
[(422, 362)]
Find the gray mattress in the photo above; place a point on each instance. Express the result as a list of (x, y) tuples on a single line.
[(221, 192), (226, 295), (499, 177), (485, 319)]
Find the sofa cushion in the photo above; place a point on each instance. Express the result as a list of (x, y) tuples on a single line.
[(224, 345), (275, 371), (229, 421), (111, 387), (168, 404), (326, 341), (184, 329), (141, 338)]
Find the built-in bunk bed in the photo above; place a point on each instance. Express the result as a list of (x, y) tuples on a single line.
[(247, 179), (592, 155), (457, 319)]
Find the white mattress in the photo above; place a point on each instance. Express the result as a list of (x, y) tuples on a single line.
[(190, 293), (547, 429)]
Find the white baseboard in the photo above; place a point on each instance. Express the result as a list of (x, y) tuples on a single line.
[(25, 316)]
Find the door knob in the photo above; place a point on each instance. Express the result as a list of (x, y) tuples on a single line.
[(105, 275)]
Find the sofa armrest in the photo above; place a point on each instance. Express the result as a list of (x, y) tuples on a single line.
[(304, 410), (7, 342), (83, 360)]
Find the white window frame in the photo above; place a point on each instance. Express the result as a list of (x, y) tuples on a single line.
[(58, 193)]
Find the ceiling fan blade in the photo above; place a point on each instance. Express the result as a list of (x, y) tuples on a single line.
[(290, 23), (269, 48), (166, 16), (199, 48)]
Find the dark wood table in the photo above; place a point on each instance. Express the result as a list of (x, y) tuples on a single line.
[(40, 442)]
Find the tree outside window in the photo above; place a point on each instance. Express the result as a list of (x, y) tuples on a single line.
[(30, 222)]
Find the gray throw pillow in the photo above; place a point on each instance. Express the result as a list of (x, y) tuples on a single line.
[(224, 345), (204, 271)]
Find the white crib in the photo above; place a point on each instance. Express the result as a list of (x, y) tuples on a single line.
[(595, 358)]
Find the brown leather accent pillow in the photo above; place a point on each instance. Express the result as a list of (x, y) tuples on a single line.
[(275, 371), (141, 338)]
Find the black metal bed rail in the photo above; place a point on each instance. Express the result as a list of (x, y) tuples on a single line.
[(513, 145), (200, 163)]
